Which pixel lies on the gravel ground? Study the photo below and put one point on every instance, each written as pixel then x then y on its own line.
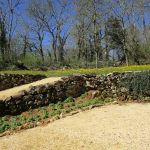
pixel 112 127
pixel 16 90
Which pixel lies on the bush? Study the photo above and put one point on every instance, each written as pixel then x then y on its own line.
pixel 68 110
pixel 83 95
pixel 137 83
pixel 59 105
pixel 23 119
pixel 30 119
pixel 69 99
pixel 36 117
pixel 58 112
pixel 52 106
pixel 52 113
pixel 4 127
pixel 15 124
pixel 45 114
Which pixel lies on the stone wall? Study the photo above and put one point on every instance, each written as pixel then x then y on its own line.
pixel 69 86
pixel 12 80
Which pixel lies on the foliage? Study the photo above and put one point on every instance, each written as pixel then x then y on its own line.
pixel 114 33
pixel 30 119
pixel 45 114
pixel 12 122
pixel 83 95
pixel 137 83
pixel 30 60
pixel 59 105
pixel 69 99
pixel 36 117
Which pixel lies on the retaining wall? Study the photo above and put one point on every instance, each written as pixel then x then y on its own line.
pixel 12 80
pixel 69 86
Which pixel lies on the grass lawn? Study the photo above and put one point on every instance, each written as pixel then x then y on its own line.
pixel 68 72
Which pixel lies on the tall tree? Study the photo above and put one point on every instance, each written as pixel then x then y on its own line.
pixel 3 40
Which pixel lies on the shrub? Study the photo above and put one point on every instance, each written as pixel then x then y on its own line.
pixel 23 119
pixel 70 104
pixel 58 112
pixel 108 100
pixel 4 127
pixel 15 124
pixel 68 110
pixel 1 121
pixel 45 114
pixel 36 117
pixel 83 95
pixel 69 99
pixel 4 118
pixel 137 83
pixel 52 106
pixel 52 113
pixel 59 105
pixel 79 106
pixel 30 119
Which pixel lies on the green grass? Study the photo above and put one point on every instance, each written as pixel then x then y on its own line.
pixel 69 72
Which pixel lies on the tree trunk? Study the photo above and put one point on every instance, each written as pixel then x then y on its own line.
pixel 96 60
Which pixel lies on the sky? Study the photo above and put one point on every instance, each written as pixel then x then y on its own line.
pixel 22 9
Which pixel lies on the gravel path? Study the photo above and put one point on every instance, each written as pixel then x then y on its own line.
pixel 112 127
pixel 16 90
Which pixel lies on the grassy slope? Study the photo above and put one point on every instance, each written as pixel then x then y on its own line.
pixel 67 72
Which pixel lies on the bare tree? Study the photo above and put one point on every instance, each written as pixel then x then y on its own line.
pixel 3 40
pixel 11 22
pixel 52 17
pixel 89 27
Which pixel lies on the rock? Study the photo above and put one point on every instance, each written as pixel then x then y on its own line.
pixel 114 102
pixel 74 86
pixel 93 94
pixel 38 123
pixel 39 103
pixel 124 90
pixel 74 112
pixel 12 80
pixel 18 102
pixel 89 85
pixel 114 91
pixel 91 107
pixel 147 99
pixel 61 115
pixel 23 92
pixel 30 102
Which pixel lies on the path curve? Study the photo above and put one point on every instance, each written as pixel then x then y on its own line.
pixel 16 90
pixel 113 127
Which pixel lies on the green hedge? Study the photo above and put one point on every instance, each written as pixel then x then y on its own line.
pixel 138 83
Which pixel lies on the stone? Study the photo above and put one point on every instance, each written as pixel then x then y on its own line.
pixel 114 102
pixel 12 80
pixel 8 98
pixel 114 91
pixel 74 86
pixel 124 90
pixel 147 99
pixel 93 94
pixel 30 102
pixel 18 101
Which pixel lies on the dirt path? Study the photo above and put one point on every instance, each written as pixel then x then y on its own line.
pixel 113 127
pixel 16 90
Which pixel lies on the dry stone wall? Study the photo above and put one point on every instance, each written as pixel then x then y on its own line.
pixel 12 80
pixel 69 86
